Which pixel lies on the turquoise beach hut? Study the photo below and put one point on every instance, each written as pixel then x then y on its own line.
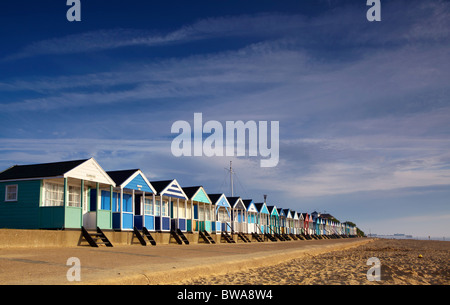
pixel 199 209
pixel 274 220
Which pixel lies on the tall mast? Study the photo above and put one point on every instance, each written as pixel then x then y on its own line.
pixel 231 179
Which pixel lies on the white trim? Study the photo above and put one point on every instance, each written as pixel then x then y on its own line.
pixel 252 208
pixel 242 203
pixel 31 179
pixel 163 193
pixel 134 176
pixel 226 199
pixel 97 167
pixel 69 184
pixel 204 191
pixel 6 193
pixel 289 215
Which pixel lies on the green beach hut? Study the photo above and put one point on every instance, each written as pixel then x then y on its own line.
pixel 54 196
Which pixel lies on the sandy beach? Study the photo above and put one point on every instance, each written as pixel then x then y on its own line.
pixel 400 265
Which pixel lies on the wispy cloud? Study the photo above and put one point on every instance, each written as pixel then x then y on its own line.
pixel 431 23
pixel 275 25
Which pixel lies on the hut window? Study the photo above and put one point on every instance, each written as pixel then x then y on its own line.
pixel 54 194
pixel 165 208
pixel 201 213
pixel 74 196
pixel 157 208
pixel 223 215
pixel 188 211
pixel 11 192
pixel 208 213
pixel 174 208
pixel 148 206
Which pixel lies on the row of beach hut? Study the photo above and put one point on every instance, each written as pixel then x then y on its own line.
pixel 80 194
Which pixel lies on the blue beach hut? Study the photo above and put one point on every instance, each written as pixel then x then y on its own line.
pixel 263 218
pixel 133 200
pixel 222 213
pixel 170 206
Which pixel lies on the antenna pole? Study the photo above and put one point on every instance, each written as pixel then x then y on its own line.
pixel 231 179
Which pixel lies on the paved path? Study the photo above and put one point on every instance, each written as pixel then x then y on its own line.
pixel 161 264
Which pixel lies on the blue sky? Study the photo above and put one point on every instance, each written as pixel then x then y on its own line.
pixel 363 107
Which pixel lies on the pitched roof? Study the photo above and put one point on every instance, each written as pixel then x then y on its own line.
pixel 247 202
pixel 160 185
pixel 233 199
pixel 42 170
pixel 120 176
pixel 214 197
pixel 272 208
pixel 190 190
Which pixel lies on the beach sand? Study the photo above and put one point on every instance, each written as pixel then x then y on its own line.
pixel 400 265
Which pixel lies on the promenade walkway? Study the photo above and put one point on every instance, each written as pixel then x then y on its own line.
pixel 161 264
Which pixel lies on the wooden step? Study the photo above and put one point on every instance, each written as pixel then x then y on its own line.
pixel 176 237
pixel 227 237
pixel 211 240
pixel 149 236
pixel 204 237
pixel 182 236
pixel 139 236
pixel 243 237
pixel 93 237
pixel 270 237
pixel 257 237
